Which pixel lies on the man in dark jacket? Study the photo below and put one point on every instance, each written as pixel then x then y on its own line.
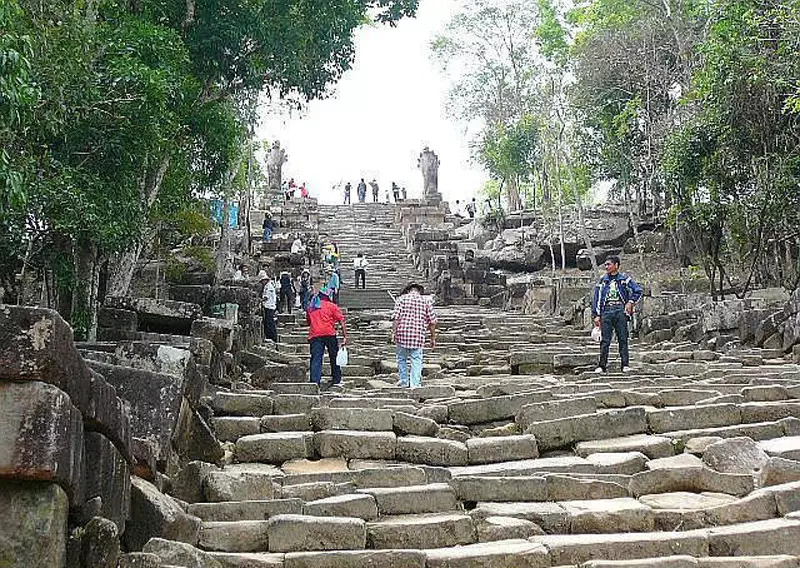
pixel 612 304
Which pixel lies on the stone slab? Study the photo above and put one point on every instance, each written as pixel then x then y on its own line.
pixel 41 436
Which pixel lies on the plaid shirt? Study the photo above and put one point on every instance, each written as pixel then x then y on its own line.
pixel 412 316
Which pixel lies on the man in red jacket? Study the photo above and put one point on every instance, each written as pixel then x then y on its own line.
pixel 322 316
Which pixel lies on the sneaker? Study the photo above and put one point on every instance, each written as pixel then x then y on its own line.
pixel 401 384
pixel 626 369
pixel 599 370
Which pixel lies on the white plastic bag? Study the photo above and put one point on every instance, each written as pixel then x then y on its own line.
pixel 597 335
pixel 341 357
pixel 297 302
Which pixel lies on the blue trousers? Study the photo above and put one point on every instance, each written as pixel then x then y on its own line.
pixel 414 356
pixel 614 319
pixel 318 347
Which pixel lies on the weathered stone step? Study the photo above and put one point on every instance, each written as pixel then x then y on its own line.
pixel 274 448
pixel 431 498
pixel 367 419
pixel 678 561
pixel 241 404
pixel 560 433
pixel 421 531
pixel 245 510
pixel 234 536
pixel 361 506
pixel 535 488
pixel 573 550
pixel 293 533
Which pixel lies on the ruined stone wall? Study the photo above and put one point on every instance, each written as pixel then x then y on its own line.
pixel 65 445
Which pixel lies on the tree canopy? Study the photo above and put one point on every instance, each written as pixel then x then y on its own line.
pixel 688 108
pixel 116 114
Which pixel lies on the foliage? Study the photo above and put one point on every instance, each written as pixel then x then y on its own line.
pixel 116 116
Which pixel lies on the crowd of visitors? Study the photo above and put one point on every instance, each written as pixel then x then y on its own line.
pixel 398 193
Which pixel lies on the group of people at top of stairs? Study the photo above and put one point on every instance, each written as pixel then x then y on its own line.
pixel 290 188
pixel 398 193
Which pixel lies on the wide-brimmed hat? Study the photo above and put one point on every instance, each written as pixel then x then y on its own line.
pixel 414 285
pixel 262 275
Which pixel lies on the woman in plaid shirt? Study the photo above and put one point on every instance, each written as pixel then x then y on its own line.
pixel 413 319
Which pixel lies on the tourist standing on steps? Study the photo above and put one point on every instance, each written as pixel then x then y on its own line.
pixel 472 208
pixel 347 189
pixel 297 246
pixel 287 293
pixel 269 302
pixel 413 318
pixel 404 192
pixel 268 225
pixel 362 191
pixel 395 192
pixel 322 316
pixel 360 268
pixel 305 288
pixel 334 285
pixel 612 304
pixel 375 190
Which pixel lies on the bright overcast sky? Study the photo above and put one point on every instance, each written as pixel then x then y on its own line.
pixel 384 111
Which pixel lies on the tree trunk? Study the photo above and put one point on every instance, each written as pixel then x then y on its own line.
pixel 84 294
pixel 514 201
pixel 224 242
pixel 122 266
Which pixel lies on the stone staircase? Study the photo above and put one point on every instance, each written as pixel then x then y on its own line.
pixel 512 453
pixel 368 228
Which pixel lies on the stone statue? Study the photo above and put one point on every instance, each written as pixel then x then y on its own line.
pixel 276 157
pixel 428 162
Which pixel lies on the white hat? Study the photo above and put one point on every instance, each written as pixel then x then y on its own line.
pixel 262 275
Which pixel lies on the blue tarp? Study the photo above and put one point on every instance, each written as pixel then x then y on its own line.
pixel 233 212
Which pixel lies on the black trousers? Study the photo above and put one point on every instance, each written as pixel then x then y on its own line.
pixel 361 275
pixel 614 320
pixel 287 295
pixel 270 329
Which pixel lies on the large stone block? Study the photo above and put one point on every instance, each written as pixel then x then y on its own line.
pixel 355 444
pixel 421 531
pixel 689 417
pixel 155 401
pixel 432 451
pixel 155 515
pixel 193 438
pixel 241 482
pixel 503 554
pixel 107 475
pixel 274 448
pixel 490 409
pixel 218 331
pixel 159 316
pixel 100 544
pixel 500 449
pixel 555 409
pixel 356 559
pixel 41 436
pixel 494 489
pixel 296 533
pixel 37 345
pixel 33 526
pixel 174 553
pixel 373 420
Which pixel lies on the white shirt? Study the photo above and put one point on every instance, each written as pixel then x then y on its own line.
pixel 360 263
pixel 297 246
pixel 269 296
